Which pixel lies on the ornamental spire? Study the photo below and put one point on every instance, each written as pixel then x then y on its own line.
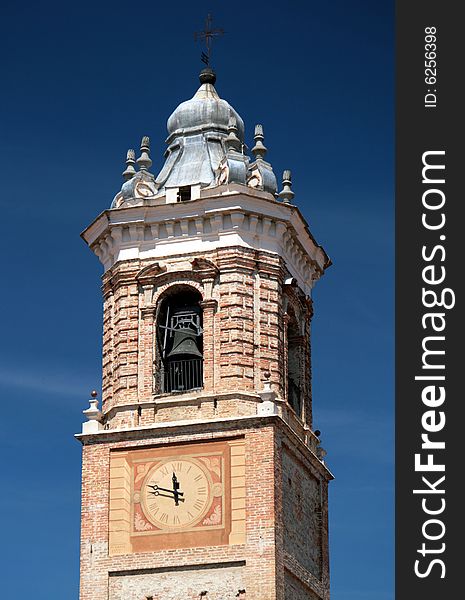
pixel 144 161
pixel 130 171
pixel 259 150
pixel 286 193
pixel 232 141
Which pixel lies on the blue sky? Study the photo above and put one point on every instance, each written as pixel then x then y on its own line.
pixel 83 82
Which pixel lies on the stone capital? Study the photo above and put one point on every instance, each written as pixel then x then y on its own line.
pixel 209 304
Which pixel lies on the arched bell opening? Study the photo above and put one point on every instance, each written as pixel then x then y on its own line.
pixel 294 364
pixel 180 341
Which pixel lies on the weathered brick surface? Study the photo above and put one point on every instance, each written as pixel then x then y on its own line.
pixel 296 590
pixel 258 554
pixel 221 582
pixel 247 308
pixel 244 324
pixel 301 504
pixel 270 533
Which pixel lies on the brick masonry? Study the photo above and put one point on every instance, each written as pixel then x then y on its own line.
pixel 220 581
pixel 273 544
pixel 244 324
pixel 282 553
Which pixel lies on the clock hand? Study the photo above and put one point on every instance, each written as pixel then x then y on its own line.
pixel 157 493
pixel 157 487
pixel 176 495
pixel 175 482
pixel 176 491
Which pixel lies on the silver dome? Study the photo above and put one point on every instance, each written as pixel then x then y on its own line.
pixel 205 111
pixel 197 131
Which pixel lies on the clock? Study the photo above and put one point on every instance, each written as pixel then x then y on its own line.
pixel 177 496
pixel 177 493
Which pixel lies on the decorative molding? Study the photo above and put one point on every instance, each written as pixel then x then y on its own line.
pixel 209 304
pixel 226 216
pixel 149 273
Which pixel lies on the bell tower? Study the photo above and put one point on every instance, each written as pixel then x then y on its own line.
pixel 202 475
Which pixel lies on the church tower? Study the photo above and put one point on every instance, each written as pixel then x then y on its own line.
pixel 202 475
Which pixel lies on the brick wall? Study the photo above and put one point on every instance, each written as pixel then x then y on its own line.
pixel 275 536
pixel 296 590
pixel 301 506
pixel 282 552
pixel 244 331
pixel 220 581
pixel 257 554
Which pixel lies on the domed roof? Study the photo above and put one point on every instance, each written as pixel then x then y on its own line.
pixel 205 147
pixel 197 133
pixel 205 111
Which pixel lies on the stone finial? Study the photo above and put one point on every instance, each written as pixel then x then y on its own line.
pixel 130 162
pixel 286 193
pixel 321 453
pixel 207 75
pixel 144 160
pixel 232 141
pixel 268 397
pixel 259 150
pixel 267 382
pixel 93 414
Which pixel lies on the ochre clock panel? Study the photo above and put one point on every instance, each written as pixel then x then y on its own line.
pixel 177 497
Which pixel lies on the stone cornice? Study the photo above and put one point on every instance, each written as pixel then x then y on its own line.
pixel 253 220
pixel 181 398
pixel 161 430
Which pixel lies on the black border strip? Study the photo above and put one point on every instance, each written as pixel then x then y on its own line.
pixel 422 127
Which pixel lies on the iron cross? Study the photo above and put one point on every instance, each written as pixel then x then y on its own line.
pixel 208 34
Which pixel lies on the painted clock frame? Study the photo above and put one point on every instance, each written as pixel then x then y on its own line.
pixel 131 529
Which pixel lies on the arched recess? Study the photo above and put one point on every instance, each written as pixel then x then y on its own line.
pixel 295 362
pixel 179 340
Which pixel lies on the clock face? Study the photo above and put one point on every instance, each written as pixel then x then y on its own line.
pixel 177 493
pixel 180 496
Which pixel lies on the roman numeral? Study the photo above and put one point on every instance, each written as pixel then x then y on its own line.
pixel 190 515
pixel 202 491
pixel 164 471
pixel 198 478
pixel 177 467
pixel 164 518
pixel 198 504
pixel 176 520
pixel 154 508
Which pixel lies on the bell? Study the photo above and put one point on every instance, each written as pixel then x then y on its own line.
pixel 184 343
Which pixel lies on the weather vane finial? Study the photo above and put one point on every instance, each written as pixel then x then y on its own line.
pixel 208 34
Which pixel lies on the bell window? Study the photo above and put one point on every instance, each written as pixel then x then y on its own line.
pixel 294 365
pixel 180 342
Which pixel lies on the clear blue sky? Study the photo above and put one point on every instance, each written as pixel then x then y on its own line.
pixel 81 83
